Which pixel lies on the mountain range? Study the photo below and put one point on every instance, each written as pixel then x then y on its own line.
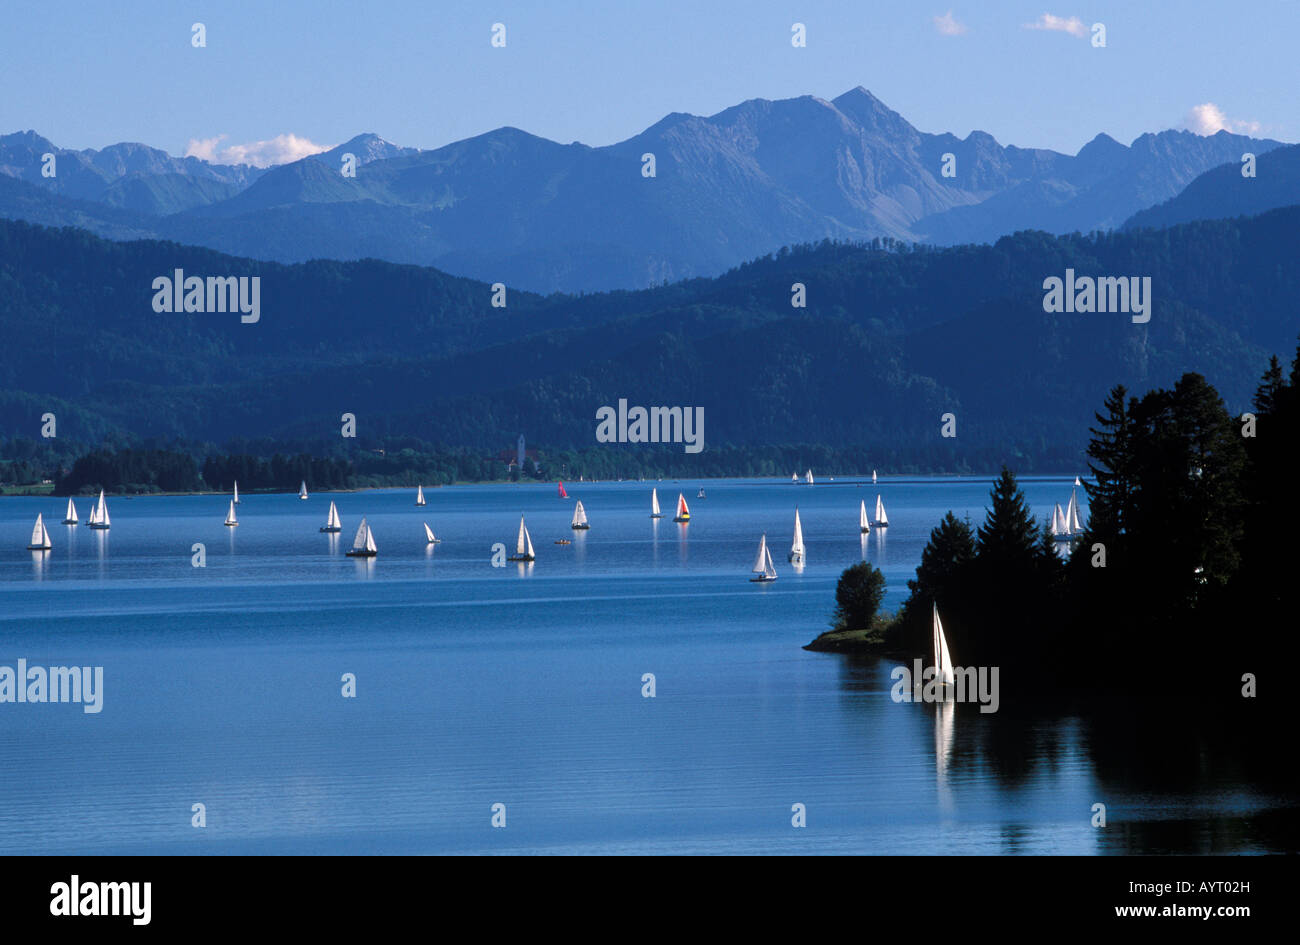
pixel 892 338
pixel 511 207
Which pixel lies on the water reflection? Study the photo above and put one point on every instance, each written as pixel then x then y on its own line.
pixel 944 715
pixel 524 568
pixel 40 564
pixel 365 567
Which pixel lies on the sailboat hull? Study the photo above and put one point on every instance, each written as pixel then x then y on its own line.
pixel 98 525
pixel 522 558
pixel 795 558
pixel 762 579
pixel 579 528
pixel 231 524
pixel 331 528
pixel 362 553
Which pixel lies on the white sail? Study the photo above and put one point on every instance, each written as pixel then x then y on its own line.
pixel 769 571
pixel 364 542
pixel 760 562
pixel 579 515
pixel 873 476
pixel 881 517
pixel 70 517
pixel 40 537
pixel 942 658
pixel 302 490
pixel 524 543
pixel 654 504
pixel 808 477
pixel 1077 483
pixel 1058 522
pixel 90 519
pixel 1072 523
pixel 99 517
pixel 236 499
pixel 332 520
pixel 419 495
pixel 796 547
pixel 428 533
pixel 794 477
pixel 230 516
pixel 863 524
pixel 683 510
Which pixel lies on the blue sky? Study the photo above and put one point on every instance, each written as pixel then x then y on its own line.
pixel 424 73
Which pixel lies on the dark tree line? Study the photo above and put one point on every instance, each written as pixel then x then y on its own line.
pixel 131 470
pixel 279 473
pixel 1181 581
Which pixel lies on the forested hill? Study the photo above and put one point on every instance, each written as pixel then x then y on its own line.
pixel 892 337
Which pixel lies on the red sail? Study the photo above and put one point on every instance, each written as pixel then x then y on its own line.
pixel 563 494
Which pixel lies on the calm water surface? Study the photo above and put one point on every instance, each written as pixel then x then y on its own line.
pixel 522 686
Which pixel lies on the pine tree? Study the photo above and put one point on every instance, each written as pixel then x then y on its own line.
pixel 1008 539
pixel 1271 384
pixel 1110 499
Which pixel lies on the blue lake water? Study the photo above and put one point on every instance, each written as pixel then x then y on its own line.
pixel 522 685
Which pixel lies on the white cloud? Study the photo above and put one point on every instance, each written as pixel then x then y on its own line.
pixel 948 25
pixel 282 149
pixel 1208 118
pixel 1059 24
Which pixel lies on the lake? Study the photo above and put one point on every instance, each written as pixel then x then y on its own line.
pixel 522 685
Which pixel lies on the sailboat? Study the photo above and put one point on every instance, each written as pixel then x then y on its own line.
pixel 1060 530
pixel 563 494
pixel 70 516
pixel 796 546
pixel 807 477
pixel 99 514
pixel 523 545
pixel 1072 523
pixel 683 512
pixel 942 658
pixel 864 526
pixel 654 504
pixel 763 564
pixel 332 523
pixel 419 495
pixel 428 533
pixel 794 477
pixel 700 494
pixel 40 537
pixel 579 517
pixel 302 490
pixel 363 546
pixel 236 499
pixel 873 477
pixel 231 521
pixel 882 520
